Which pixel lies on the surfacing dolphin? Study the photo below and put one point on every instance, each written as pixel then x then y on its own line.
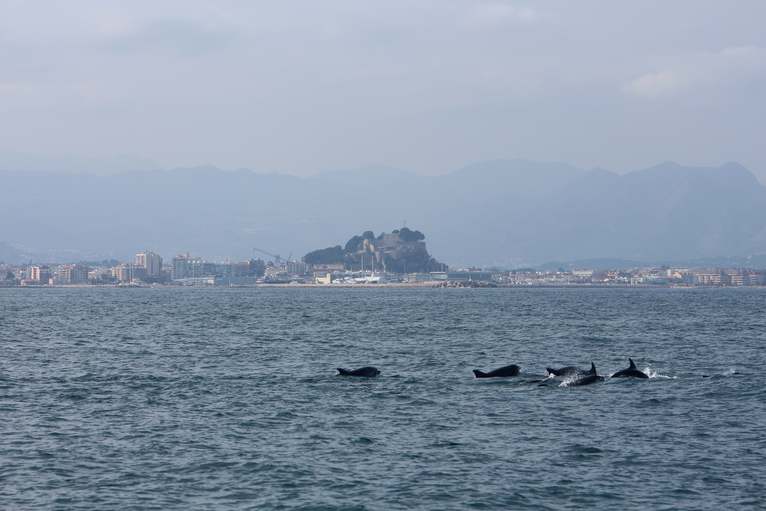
pixel 500 372
pixel 565 372
pixel 630 372
pixel 367 372
pixel 589 377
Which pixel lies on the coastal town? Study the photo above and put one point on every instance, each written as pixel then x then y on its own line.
pixel 396 258
pixel 150 269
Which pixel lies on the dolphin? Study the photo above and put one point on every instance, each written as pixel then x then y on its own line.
pixel 589 377
pixel 565 372
pixel 367 371
pixel 630 372
pixel 500 372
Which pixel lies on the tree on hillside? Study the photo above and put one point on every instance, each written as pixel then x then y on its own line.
pixel 327 255
pixel 408 235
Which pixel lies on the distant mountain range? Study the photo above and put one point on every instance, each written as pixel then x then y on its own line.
pixel 506 213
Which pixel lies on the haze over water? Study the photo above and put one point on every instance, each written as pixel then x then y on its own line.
pixel 227 398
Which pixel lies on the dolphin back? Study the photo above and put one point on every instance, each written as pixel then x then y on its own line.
pixel 630 372
pixel 500 372
pixel 564 371
pixel 367 371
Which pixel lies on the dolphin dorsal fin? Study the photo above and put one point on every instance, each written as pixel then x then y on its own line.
pixel 593 368
pixel 632 364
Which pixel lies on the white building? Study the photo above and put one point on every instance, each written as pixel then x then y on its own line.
pixel 150 262
pixel 72 274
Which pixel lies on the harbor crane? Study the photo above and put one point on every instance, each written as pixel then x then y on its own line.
pixel 277 258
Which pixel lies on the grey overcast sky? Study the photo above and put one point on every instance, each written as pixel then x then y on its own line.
pixel 303 86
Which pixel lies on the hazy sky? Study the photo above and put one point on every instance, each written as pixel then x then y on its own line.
pixel 422 85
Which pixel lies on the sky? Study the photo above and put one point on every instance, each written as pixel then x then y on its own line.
pixel 423 85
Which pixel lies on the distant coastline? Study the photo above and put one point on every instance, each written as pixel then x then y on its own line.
pixel 388 285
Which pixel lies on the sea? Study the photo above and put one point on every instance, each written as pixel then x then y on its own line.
pixel 229 398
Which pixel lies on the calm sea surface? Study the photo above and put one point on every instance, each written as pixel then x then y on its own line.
pixel 228 399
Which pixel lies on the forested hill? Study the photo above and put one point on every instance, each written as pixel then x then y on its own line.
pixel 400 251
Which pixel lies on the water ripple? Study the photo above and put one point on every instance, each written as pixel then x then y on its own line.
pixel 228 398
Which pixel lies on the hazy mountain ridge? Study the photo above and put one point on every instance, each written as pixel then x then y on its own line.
pixel 503 212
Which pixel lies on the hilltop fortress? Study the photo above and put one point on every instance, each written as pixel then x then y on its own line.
pixel 400 251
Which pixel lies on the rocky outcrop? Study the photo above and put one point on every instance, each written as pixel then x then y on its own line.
pixel 400 251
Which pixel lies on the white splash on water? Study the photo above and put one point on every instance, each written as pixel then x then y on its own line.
pixel 567 381
pixel 651 373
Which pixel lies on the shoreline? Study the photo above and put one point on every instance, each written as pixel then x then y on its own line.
pixel 393 285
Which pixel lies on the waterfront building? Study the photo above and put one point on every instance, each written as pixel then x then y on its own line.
pixel 464 276
pixel 239 274
pixel 180 268
pixel 150 262
pixel 39 274
pixel 185 266
pixel 124 272
pixel 707 278
pixel 734 278
pixel 101 276
pixel 296 267
pixel 72 274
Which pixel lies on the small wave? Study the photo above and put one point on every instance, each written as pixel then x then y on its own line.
pixel 83 377
pixel 445 443
pixel 584 449
pixel 651 373
pixel 656 401
pixel 725 374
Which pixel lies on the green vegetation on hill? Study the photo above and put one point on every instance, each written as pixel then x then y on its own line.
pixel 408 235
pixel 329 255
pixel 401 251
